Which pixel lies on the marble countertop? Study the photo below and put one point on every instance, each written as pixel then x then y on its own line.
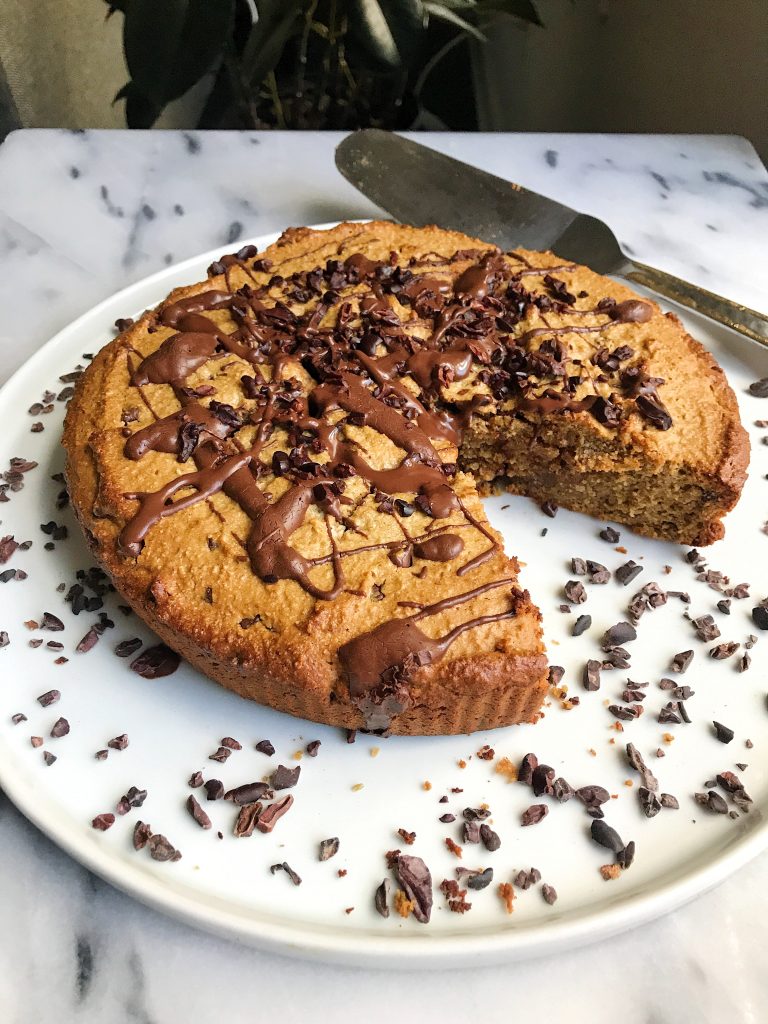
pixel 82 214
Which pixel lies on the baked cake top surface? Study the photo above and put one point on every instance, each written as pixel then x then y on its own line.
pixel 273 451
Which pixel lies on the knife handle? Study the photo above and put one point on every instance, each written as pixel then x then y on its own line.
pixel 739 318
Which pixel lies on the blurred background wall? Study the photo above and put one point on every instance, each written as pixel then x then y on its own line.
pixel 598 65
pixel 630 65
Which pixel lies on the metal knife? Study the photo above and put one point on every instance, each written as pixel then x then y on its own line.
pixel 418 185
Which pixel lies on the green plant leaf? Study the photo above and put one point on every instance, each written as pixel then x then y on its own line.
pixel 442 13
pixel 525 10
pixel 276 21
pixel 139 111
pixel 391 31
pixel 170 44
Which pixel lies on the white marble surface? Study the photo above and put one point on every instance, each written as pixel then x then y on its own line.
pixel 83 214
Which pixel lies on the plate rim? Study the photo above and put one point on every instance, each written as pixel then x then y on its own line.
pixel 425 949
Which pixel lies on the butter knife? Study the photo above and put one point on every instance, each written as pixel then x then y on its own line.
pixel 418 185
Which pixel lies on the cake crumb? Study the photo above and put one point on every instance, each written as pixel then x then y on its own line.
pixel 610 871
pixel 506 895
pixel 506 768
pixel 374 751
pixel 426 786
pixel 357 787
pixel 403 905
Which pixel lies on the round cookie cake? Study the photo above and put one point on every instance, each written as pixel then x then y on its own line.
pixel 280 467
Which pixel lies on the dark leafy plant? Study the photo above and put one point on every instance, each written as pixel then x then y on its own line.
pixel 299 63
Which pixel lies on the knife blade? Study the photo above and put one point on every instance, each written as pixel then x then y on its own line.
pixel 418 185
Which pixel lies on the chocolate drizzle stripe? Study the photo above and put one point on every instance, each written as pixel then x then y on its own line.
pixel 399 643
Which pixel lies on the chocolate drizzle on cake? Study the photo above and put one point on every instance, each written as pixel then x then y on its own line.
pixel 368 368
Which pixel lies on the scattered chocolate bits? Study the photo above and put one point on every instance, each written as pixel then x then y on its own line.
pixel 489 838
pixel 7 547
pixel 591 676
pixel 248 793
pixel 723 651
pixel 51 622
pixel 142 833
pixel 527 767
pixel 161 849
pixel 135 797
pixel 525 880
pixel 197 812
pixel 381 898
pixel 60 728
pixel 328 848
pixel 119 742
pixel 635 758
pixel 542 779
pixel 214 789
pixel 549 508
pixel 265 747
pixel 760 616
pixel 103 821
pixel 50 697
pixel 712 801
pixel 650 802
pixel 155 662
pixel 312 748
pixel 621 633
pixel 475 880
pixel 88 642
pixel 271 814
pixel 562 791
pixel 575 592
pixel 604 835
pixel 581 625
pixel 549 893
pixel 285 778
pixel 610 535
pixel 415 878
pixel 127 647
pixel 681 661
pixel 759 388
pixel 597 573
pixel 723 733
pixel 295 878
pixel 706 628
pixel 628 572
pixel 534 814
pixel 246 820
pixel 49 758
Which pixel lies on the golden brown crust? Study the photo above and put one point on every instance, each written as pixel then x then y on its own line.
pixel 273 642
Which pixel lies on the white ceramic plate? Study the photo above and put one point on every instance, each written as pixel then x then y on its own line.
pixel 175 723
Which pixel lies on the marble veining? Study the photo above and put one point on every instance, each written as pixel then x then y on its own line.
pixel 84 213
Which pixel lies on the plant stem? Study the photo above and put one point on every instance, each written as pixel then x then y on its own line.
pixel 275 94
